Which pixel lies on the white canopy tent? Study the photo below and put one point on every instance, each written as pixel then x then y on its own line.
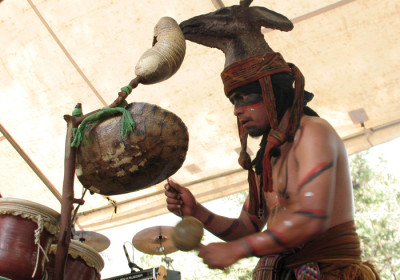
pixel 55 54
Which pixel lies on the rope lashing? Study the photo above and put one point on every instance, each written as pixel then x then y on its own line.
pixel 38 232
pixel 123 104
pixel 127 89
pixel 128 124
pixel 77 112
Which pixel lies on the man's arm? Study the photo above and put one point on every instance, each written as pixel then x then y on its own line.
pixel 181 201
pixel 309 211
pixel 228 228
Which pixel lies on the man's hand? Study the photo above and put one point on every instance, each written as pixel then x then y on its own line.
pixel 180 200
pixel 221 255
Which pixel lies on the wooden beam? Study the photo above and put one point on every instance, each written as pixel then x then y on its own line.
pixel 218 4
pixel 31 164
pixel 315 13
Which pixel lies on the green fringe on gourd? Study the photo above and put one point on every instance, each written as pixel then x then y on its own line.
pixel 128 124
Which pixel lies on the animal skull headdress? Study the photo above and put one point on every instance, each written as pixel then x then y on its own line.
pixel 236 30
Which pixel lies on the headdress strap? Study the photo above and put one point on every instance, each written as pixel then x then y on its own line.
pixel 298 103
pixel 245 163
pixel 260 68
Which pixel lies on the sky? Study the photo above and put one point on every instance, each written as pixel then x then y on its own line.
pixel 115 259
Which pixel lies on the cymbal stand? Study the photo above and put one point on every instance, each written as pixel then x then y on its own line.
pixel 131 264
pixel 166 259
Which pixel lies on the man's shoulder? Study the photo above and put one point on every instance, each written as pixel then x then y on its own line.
pixel 315 135
pixel 310 120
pixel 316 125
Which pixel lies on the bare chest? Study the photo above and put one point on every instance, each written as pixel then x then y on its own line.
pixel 284 177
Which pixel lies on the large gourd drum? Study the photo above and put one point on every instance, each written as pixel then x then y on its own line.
pixel 83 262
pixel 112 164
pixel 27 231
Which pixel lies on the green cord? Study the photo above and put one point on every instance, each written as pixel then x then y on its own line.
pixel 123 104
pixel 128 124
pixel 77 112
pixel 128 89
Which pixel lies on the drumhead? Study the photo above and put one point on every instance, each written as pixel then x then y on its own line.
pixel 88 254
pixel 32 211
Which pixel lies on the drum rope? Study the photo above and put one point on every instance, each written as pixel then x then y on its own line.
pixel 38 232
pixel 128 124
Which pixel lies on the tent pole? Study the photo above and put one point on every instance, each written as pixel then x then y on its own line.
pixel 31 164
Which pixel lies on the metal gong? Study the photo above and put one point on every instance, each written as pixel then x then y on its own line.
pixel 112 164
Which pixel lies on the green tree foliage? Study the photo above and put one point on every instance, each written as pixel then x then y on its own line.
pixel 377 196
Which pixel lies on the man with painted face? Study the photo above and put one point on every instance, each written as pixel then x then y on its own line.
pixel 299 214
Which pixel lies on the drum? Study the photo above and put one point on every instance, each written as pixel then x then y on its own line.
pixel 83 262
pixel 111 164
pixel 27 231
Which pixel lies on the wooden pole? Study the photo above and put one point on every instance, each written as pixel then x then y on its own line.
pixel 64 237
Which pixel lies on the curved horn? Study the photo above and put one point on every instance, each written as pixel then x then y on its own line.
pixel 165 57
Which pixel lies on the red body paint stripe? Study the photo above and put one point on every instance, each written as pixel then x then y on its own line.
pixel 231 229
pixel 279 235
pixel 313 211
pixel 253 218
pixel 314 173
pixel 210 218
pixel 249 240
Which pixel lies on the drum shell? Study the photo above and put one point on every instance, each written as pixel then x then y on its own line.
pixel 18 251
pixel 112 164
pixel 83 263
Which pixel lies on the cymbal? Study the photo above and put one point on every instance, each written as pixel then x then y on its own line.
pixel 152 240
pixel 95 240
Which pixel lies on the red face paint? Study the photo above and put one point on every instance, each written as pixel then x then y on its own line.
pixel 248 107
pixel 252 106
pixel 244 100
